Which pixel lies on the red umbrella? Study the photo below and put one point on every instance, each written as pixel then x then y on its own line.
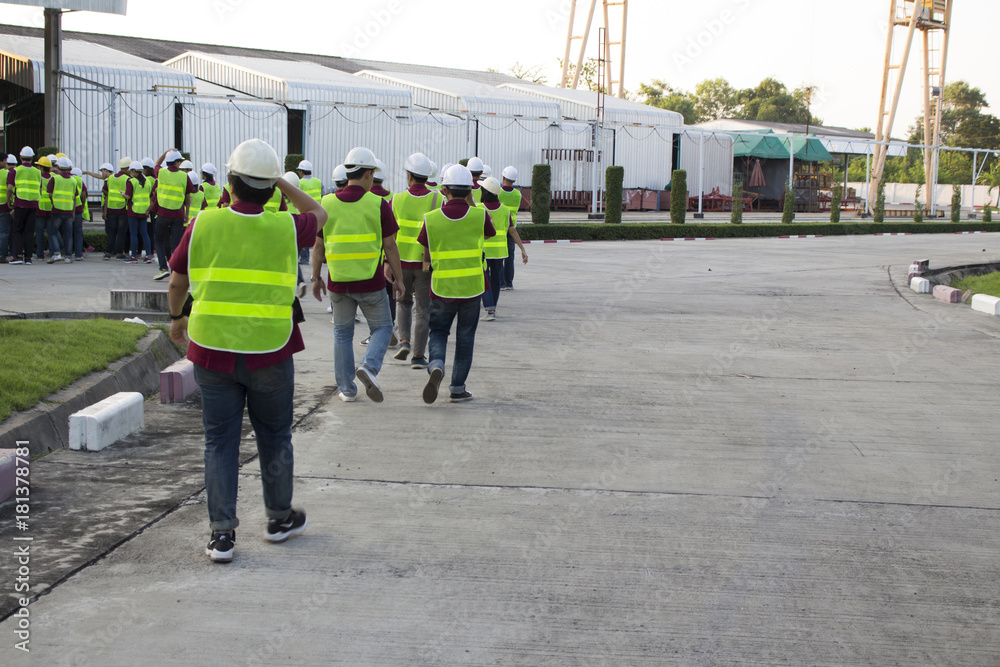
pixel 757 177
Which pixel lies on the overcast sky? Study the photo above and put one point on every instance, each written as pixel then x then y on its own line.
pixel 837 46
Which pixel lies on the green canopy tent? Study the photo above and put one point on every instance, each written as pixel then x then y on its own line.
pixel 772 152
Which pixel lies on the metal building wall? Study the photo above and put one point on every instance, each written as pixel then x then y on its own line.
pixel 438 136
pixel 228 75
pixel 212 129
pixel 718 162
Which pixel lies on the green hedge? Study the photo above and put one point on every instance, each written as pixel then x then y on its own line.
pixel 678 196
pixel 292 161
pixel 646 231
pixel 541 193
pixel 98 240
pixel 613 178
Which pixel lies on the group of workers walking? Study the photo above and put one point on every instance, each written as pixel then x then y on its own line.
pixel 426 257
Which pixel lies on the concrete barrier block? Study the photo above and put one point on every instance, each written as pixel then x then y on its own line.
pixel 8 481
pixel 914 268
pixel 139 299
pixel 106 422
pixel 922 264
pixel 911 275
pixel 920 285
pixel 985 303
pixel 947 294
pixel 177 382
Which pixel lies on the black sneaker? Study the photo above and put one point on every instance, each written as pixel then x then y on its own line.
pixel 461 398
pixel 220 549
pixel 279 531
pixel 431 388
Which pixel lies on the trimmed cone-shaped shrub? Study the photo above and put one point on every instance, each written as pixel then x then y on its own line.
pixel 878 213
pixel 737 216
pixel 987 213
pixel 613 179
pixel 541 193
pixel 46 150
pixel 836 195
pixel 956 203
pixel 292 161
pixel 788 212
pixel 678 196
pixel 918 207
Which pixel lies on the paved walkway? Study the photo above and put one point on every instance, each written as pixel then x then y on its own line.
pixel 747 451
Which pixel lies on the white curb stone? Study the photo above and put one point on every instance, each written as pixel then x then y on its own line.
pixel 106 422
pixel 177 382
pixel 985 303
pixel 920 285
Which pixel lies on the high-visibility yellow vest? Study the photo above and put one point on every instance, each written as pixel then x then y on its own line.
pixel 63 194
pixel 195 205
pixel 409 211
pixel 511 200
pixel 456 248
pixel 477 195
pixel 116 188
pixel 274 203
pixel 141 195
pixel 3 187
pixel 171 188
pixel 45 203
pixel 352 237
pixel 225 188
pixel 495 247
pixel 242 270
pixel 27 183
pixel 212 194
pixel 79 189
pixel 312 187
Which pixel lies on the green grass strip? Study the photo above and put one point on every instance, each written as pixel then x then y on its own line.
pixel 41 357
pixel 988 284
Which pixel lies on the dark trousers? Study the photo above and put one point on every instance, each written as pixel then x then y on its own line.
pixel 443 314
pixel 168 235
pixel 508 264
pixel 116 229
pixel 24 232
pixel 41 227
pixel 494 275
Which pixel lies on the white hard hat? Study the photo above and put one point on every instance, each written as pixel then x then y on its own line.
pixel 135 166
pixel 447 166
pixel 186 164
pixel 208 168
pixel 292 177
pixel 147 162
pixel 256 163
pixel 457 175
pixel 379 170
pixel 64 163
pixel 52 157
pixel 360 158
pixel 418 165
pixel 510 173
pixel 487 171
pixel 124 163
pixel 474 164
pixel 339 173
pixel 27 152
pixel 305 165
pixel 492 185
pixel 434 169
pixel 76 171
pixel 194 177
pixel 11 159
pixel 173 156
pixel 106 167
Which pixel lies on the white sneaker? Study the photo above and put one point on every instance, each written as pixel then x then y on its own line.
pixel 367 378
pixel 488 317
pixel 329 308
pixel 53 258
pixel 345 398
pixel 67 260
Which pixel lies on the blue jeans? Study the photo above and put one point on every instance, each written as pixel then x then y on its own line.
pixel 138 224
pixel 60 232
pixel 41 228
pixel 267 394
pixel 78 234
pixel 6 222
pixel 443 313
pixel 375 306
pixel 494 274
pixel 508 264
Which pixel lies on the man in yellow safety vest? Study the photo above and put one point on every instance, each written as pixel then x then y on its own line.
pixel 172 192
pixel 453 236
pixel 5 208
pixel 62 192
pixel 24 190
pixel 240 264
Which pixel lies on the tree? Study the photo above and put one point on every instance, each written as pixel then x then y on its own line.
pixel 715 98
pixel 963 123
pixel 660 94
pixel 991 178
pixel 588 74
pixel 532 74
pixel 770 101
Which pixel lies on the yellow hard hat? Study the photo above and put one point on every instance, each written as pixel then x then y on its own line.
pixel 44 162
pixel 61 155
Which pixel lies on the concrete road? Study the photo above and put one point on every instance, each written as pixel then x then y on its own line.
pixel 740 451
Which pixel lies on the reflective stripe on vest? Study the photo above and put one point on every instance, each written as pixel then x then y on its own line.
pixel 3 188
pixel 116 188
pixel 456 248
pixel 352 237
pixel 495 247
pixel 63 193
pixel 274 203
pixel 197 200
pixel 171 187
pixel 312 187
pixel 212 194
pixel 141 195
pixel 45 202
pixel 237 309
pixel 511 200
pixel 409 211
pixel 27 183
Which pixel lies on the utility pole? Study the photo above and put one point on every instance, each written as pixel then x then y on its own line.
pixel 53 65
